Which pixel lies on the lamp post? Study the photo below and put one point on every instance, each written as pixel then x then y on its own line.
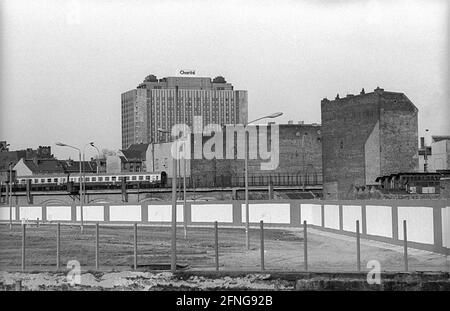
pixel 10 195
pixel 247 213
pixel 80 180
pixel 98 152
pixel 425 157
pixel 173 256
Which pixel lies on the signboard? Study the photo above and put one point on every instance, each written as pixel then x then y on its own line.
pixel 186 73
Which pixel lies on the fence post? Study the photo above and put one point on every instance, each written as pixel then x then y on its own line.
pixel 135 246
pixel 96 246
pixel 216 243
pixel 58 245
pixel 305 246
pixel 23 245
pixel 405 245
pixel 358 247
pixel 262 244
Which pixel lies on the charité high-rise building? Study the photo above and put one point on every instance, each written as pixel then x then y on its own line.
pixel 162 103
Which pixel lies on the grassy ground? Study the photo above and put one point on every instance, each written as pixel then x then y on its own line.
pixel 283 249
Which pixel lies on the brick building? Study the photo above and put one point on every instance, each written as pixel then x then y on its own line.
pixel 299 159
pixel 366 136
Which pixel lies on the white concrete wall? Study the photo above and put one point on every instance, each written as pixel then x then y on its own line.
pixel 278 213
pixel 379 220
pixel 30 212
pixel 4 213
pixel 446 227
pixel 55 213
pixel 91 213
pixel 331 214
pixel 212 212
pixel 350 214
pixel 312 213
pixel 125 213
pixel 160 213
pixel 419 223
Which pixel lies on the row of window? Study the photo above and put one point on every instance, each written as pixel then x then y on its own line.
pixel 151 178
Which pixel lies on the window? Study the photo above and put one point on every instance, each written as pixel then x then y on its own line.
pixel 113 178
pixel 49 180
pixel 36 181
pixel 55 179
pixel 147 177
pixel 94 178
pixel 107 178
pixel 133 177
pixel 100 179
pixel 141 177
pixel 88 179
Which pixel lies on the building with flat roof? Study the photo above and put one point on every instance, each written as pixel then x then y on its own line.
pixel 162 103
pixel 366 136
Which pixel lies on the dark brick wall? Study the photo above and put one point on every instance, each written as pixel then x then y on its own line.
pixel 347 124
pixel 293 159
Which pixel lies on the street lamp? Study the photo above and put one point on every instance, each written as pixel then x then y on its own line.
pixel 10 194
pixel 247 213
pixel 173 256
pixel 425 157
pixel 81 184
pixel 98 152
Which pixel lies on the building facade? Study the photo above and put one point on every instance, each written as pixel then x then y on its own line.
pixel 162 103
pixel 364 137
pixel 299 154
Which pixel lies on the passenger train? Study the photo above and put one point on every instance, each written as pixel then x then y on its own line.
pixel 155 179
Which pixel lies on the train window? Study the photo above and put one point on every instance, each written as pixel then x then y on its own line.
pixel 42 180
pixel 113 178
pixel 106 178
pixel 55 179
pixel 147 177
pixel 88 179
pixel 49 180
pixel 36 181
pixel 133 177
pixel 141 177
pixel 94 178
pixel 100 179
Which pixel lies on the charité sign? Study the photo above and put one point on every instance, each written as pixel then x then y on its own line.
pixel 186 72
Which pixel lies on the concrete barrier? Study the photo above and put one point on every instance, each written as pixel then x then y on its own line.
pixel 163 213
pixel 350 214
pixel 59 213
pixel 379 220
pixel 428 220
pixel 4 213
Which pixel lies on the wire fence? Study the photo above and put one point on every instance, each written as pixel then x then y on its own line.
pixel 51 246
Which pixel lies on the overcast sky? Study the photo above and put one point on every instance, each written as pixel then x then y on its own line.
pixel 64 64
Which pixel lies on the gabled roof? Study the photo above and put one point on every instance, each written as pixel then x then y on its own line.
pixel 44 166
pixel 71 166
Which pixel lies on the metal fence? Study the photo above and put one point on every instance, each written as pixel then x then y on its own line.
pixel 53 246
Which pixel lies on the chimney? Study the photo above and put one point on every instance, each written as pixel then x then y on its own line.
pixel 362 92
pixel 378 90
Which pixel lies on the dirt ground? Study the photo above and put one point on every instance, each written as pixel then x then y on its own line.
pixel 283 250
